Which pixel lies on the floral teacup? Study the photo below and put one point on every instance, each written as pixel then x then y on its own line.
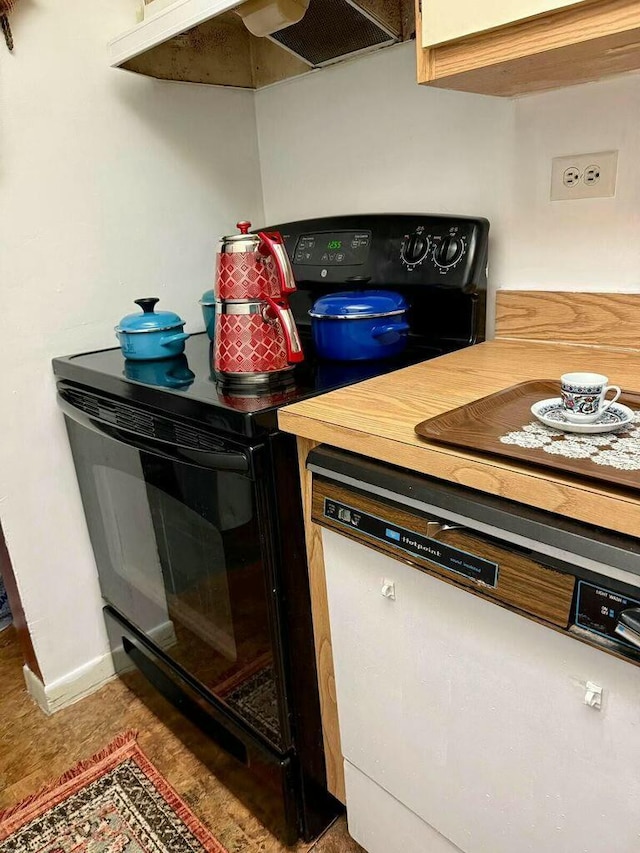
pixel 583 396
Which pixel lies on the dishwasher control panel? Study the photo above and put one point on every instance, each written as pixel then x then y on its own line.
pixel 447 549
pixel 415 544
pixel 608 613
pixel 581 580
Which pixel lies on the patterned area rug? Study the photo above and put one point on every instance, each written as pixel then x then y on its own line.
pixel 116 802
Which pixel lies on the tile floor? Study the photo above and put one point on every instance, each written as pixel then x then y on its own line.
pixel 36 749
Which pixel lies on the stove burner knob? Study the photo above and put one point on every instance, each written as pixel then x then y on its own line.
pixel 448 252
pixel 415 248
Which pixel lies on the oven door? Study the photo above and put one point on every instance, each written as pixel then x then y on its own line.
pixel 183 542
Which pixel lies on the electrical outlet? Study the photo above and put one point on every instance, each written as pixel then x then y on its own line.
pixel 571 176
pixel 584 176
pixel 591 175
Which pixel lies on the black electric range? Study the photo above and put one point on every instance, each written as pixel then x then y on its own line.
pixel 201 399
pixel 193 507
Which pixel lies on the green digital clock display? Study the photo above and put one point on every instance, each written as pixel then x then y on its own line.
pixel 331 248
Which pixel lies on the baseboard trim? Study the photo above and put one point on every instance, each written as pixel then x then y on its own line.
pixel 71 687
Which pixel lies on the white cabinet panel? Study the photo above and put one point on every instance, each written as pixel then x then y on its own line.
pixel 380 824
pixel 169 21
pixel 474 718
pixel 445 20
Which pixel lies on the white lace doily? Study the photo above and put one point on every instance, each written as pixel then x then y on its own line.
pixel 618 449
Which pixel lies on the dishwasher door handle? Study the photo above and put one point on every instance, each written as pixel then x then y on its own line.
pixel 435 528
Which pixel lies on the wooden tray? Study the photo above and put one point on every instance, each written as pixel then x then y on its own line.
pixel 478 426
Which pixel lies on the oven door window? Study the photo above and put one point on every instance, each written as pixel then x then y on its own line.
pixel 183 553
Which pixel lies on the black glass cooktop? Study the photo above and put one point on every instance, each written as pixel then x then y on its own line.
pixel 186 385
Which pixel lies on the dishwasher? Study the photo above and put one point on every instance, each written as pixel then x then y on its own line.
pixel 486 662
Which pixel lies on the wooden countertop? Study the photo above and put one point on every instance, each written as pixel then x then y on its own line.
pixel 377 417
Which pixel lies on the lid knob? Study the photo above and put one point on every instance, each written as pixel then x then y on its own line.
pixel 244 226
pixel 147 304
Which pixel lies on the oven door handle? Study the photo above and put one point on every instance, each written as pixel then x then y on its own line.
pixel 222 460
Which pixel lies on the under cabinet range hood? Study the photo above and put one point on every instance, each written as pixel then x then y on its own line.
pixel 258 42
pixel 320 32
pixel 331 30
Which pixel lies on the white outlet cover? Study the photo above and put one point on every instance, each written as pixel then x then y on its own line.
pixel 606 163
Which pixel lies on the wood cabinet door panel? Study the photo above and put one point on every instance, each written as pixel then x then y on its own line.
pixel 447 20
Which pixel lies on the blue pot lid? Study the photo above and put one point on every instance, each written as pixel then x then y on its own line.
pixel 149 320
pixel 208 298
pixel 359 304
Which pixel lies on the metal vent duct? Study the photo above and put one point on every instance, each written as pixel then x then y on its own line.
pixel 331 30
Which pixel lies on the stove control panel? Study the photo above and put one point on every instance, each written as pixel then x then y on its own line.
pixel 389 250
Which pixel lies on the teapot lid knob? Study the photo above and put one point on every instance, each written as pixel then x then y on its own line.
pixel 243 226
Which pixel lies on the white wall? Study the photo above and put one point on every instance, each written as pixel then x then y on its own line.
pixel 364 137
pixel 112 187
pixel 590 244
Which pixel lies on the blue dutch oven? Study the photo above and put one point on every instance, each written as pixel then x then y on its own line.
pixel 208 304
pixel 355 325
pixel 152 335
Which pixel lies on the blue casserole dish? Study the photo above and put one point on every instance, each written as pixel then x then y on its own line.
pixel 152 335
pixel 358 325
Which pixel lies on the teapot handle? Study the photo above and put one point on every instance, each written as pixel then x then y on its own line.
pixel 291 336
pixel 272 244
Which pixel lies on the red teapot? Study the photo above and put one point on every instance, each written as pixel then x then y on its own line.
pixel 252 266
pixel 256 339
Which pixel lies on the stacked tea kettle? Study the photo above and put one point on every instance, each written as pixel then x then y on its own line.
pixel 256 340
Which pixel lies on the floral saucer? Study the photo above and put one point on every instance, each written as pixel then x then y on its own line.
pixel 551 413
